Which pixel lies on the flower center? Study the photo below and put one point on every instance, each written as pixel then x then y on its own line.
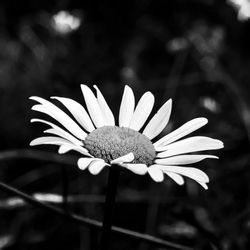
pixel 111 142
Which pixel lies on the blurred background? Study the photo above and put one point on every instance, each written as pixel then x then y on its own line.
pixel 194 51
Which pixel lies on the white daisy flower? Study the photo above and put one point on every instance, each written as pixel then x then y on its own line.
pixel 93 134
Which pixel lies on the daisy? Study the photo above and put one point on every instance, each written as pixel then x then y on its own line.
pixel 131 144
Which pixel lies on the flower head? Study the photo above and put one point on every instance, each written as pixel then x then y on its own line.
pixel 93 134
pixel 243 7
pixel 65 22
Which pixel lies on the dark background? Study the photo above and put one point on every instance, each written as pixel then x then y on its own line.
pixel 195 51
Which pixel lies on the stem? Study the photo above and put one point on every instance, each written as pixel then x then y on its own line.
pixel 109 207
pixel 90 223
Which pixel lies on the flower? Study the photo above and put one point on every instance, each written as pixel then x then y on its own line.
pixel 93 134
pixel 243 7
pixel 65 22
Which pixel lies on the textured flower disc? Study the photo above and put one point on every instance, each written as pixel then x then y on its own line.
pixel 111 142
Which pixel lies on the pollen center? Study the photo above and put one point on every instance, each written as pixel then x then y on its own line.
pixel 111 142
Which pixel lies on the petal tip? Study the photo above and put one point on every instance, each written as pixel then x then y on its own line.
pixel 220 143
pixel 84 87
pixel 202 120
pixel 32 97
pixel 32 143
pixel 205 119
pixel 156 174
pixel 84 163
pixel 204 186
pixel 124 159
pixel 214 157
pixel 140 169
pixel 54 97
pixel 127 88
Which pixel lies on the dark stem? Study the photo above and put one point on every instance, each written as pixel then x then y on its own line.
pixel 90 223
pixel 109 207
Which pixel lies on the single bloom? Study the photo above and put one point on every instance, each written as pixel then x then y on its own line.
pixel 92 132
pixel 243 8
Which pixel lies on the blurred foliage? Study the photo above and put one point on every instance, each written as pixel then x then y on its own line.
pixel 195 51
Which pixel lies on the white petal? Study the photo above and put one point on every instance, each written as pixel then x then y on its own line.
pixel 156 173
pixel 41 108
pixel 159 121
pixel 81 150
pixel 193 173
pixel 66 148
pixel 125 158
pixel 106 111
pixel 96 166
pixel 127 107
pixel 65 145
pixel 182 131
pixel 176 177
pixel 49 140
pixel 63 133
pixel 93 106
pixel 142 111
pixel 83 163
pixel 189 145
pixel 140 169
pixel 56 113
pixel 204 185
pixel 183 159
pixel 78 111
